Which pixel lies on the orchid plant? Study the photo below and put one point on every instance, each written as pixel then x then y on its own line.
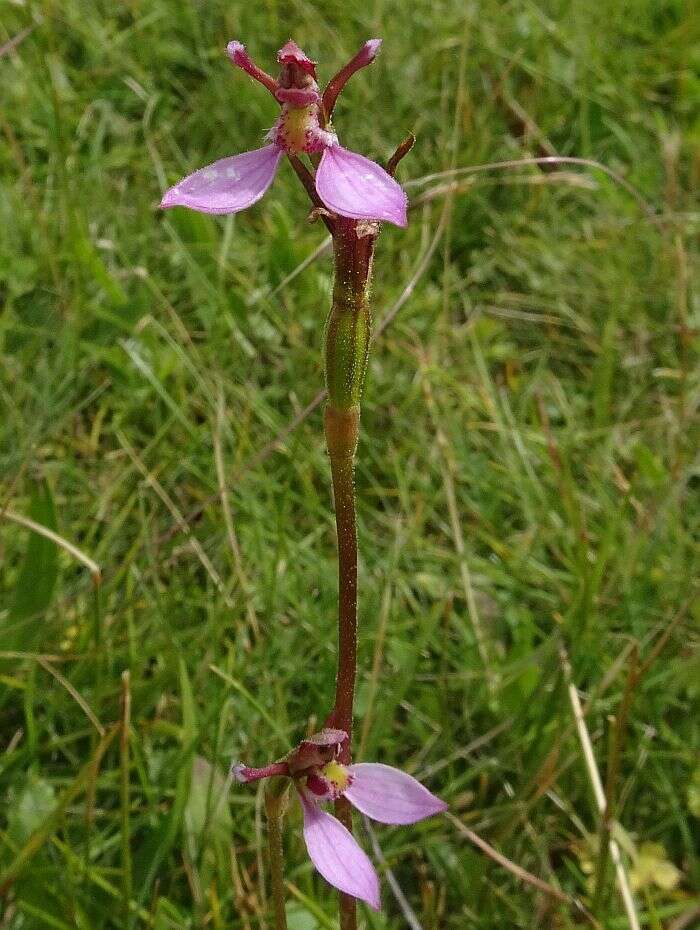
pixel 352 195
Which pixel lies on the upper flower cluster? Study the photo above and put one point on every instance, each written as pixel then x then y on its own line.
pixel 346 184
pixel 382 792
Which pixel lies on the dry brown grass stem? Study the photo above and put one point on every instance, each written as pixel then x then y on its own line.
pixel 181 523
pixel 599 794
pixel 60 541
pixel 518 871
pixel 228 517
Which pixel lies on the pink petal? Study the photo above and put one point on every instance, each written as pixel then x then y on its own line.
pixel 291 53
pixel 228 185
pixel 389 795
pixel 354 186
pixel 337 855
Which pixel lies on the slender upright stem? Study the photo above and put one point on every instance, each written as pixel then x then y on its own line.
pixel 125 801
pixel 342 472
pixel 346 348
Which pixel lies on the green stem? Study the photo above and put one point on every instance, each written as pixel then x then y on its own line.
pixel 125 799
pixel 275 805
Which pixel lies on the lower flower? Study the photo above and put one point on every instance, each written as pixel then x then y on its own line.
pixel 383 793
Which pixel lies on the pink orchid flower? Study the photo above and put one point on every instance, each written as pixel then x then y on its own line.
pixel 382 792
pixel 346 183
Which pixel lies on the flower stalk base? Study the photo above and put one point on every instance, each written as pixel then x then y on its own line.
pixel 276 798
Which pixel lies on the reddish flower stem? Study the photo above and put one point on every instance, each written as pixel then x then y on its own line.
pixel 341 435
pixel 346 350
pixel 342 429
pixel 307 179
pixel 347 339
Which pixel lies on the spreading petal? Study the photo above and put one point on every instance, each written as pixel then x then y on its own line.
pixel 389 795
pixel 364 57
pixel 239 56
pixel 228 185
pixel 354 186
pixel 337 856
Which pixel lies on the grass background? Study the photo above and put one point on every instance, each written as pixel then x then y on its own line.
pixel 527 466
